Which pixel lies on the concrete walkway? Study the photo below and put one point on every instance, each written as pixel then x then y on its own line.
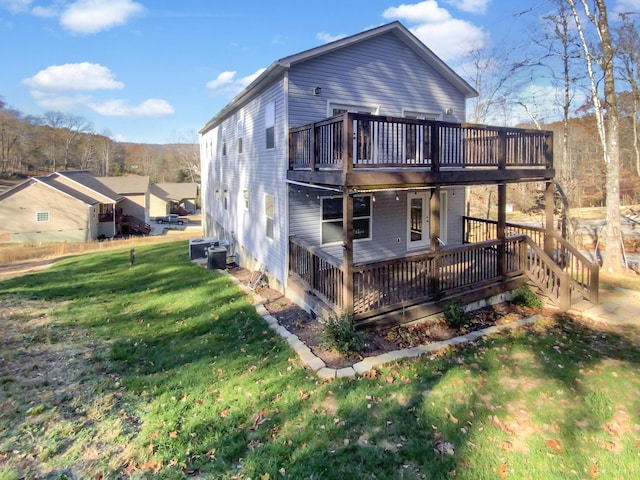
pixel 616 307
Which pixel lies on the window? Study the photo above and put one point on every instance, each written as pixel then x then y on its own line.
pixel 94 212
pixel 224 141
pixel 240 133
pixel 332 215
pixel 42 216
pixel 217 188
pixel 245 195
pixel 270 124
pixel 269 213
pixel 226 196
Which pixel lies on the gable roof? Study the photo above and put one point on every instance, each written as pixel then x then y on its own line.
pixel 132 184
pixel 175 191
pixel 278 68
pixel 88 180
pixel 67 190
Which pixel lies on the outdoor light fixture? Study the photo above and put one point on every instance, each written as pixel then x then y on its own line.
pixel 317 90
pixel 448 111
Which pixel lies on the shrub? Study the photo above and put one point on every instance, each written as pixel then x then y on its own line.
pixel 525 297
pixel 455 315
pixel 340 333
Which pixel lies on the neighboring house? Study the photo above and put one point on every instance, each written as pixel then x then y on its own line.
pixel 341 171
pixel 136 192
pixel 62 206
pixel 173 198
pixel 66 206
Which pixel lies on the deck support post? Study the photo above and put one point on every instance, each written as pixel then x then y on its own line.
pixel 347 253
pixel 434 234
pixel 549 204
pixel 502 226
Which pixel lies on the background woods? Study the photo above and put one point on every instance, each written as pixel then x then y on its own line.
pixel 58 141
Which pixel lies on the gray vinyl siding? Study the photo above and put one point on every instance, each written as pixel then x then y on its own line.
pixel 388 220
pixel 257 169
pixel 382 72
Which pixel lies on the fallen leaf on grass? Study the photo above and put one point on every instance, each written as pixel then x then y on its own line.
pixel 173 434
pixel 129 469
pixel 593 471
pixel 506 445
pixel 554 445
pixel 266 476
pixel 609 446
pixel 502 470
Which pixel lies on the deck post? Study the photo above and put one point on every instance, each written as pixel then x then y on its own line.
pixel 434 234
pixel 314 147
pixel 347 252
pixel 502 225
pixel 548 220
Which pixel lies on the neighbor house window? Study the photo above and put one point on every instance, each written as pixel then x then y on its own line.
pixel 245 195
pixel 42 216
pixel 269 213
pixel 270 124
pixel 217 188
pixel 226 196
pixel 332 215
pixel 240 134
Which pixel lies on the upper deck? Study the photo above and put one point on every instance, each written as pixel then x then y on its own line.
pixel 362 150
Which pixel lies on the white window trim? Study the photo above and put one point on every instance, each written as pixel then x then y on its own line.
pixel 426 240
pixel 46 214
pixel 270 122
pixel 370 217
pixel 267 217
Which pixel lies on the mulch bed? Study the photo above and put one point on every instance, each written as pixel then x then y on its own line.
pixel 311 331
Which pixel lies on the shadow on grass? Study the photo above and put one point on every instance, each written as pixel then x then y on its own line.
pixel 218 394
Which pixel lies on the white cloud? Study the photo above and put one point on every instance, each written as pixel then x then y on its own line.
pixel 119 108
pixel 223 79
pixel 15 6
pixel 74 76
pixel 327 37
pixel 450 38
pixel 471 6
pixel 45 12
pixel 57 101
pixel 226 84
pixel 51 87
pixel 92 16
pixel 626 6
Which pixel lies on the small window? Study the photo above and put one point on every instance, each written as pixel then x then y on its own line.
pixel 42 216
pixel 332 215
pixel 270 123
pixel 240 134
pixel 217 188
pixel 269 213
pixel 94 212
pixel 226 196
pixel 224 141
pixel 245 195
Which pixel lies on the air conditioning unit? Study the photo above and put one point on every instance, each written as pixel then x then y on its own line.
pixel 198 247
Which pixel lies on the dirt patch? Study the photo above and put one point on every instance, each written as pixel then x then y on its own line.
pixel 312 332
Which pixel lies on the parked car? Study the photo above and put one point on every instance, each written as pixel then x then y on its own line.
pixel 172 218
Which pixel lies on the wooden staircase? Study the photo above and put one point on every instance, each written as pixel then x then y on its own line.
pixel 134 225
pixel 566 276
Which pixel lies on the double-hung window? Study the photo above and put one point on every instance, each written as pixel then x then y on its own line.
pixel 332 218
pixel 270 124
pixel 240 133
pixel 269 213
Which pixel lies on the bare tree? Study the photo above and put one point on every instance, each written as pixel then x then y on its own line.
pixel 72 126
pixel 627 42
pixel 607 121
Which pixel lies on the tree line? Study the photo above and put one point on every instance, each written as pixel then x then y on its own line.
pixel 57 141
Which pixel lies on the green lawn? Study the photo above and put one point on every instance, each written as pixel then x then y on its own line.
pixel 164 370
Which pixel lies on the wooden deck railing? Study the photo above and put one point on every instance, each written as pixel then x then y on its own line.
pixel 583 273
pixel 318 270
pixel 381 287
pixel 354 140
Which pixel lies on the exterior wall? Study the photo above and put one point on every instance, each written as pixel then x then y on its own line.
pixel 382 72
pixel 259 171
pixel 135 205
pixel 388 222
pixel 158 206
pixel 69 219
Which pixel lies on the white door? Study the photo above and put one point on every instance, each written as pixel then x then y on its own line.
pixel 417 220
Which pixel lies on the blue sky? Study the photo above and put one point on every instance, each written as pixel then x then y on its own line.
pixel 157 71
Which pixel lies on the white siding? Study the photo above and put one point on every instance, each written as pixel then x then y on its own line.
pixel 382 72
pixel 257 169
